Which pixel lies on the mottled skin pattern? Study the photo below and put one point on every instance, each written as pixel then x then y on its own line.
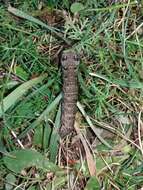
pixel 69 63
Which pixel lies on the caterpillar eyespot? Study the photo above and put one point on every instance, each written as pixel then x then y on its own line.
pixel 76 57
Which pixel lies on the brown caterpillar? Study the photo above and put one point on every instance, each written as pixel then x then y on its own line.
pixel 69 64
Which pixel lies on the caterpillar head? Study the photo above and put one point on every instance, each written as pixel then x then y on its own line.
pixel 69 59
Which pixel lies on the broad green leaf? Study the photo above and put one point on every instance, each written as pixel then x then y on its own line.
pixel 21 159
pixel 14 96
pixel 92 184
pixel 76 7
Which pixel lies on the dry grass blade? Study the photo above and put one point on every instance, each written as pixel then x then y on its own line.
pixel 89 157
pixel 80 107
pixel 135 31
pixel 139 132
pixel 18 141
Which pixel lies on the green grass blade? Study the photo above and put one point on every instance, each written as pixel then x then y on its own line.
pixel 55 137
pixel 113 7
pixel 123 83
pixel 42 116
pixel 14 96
